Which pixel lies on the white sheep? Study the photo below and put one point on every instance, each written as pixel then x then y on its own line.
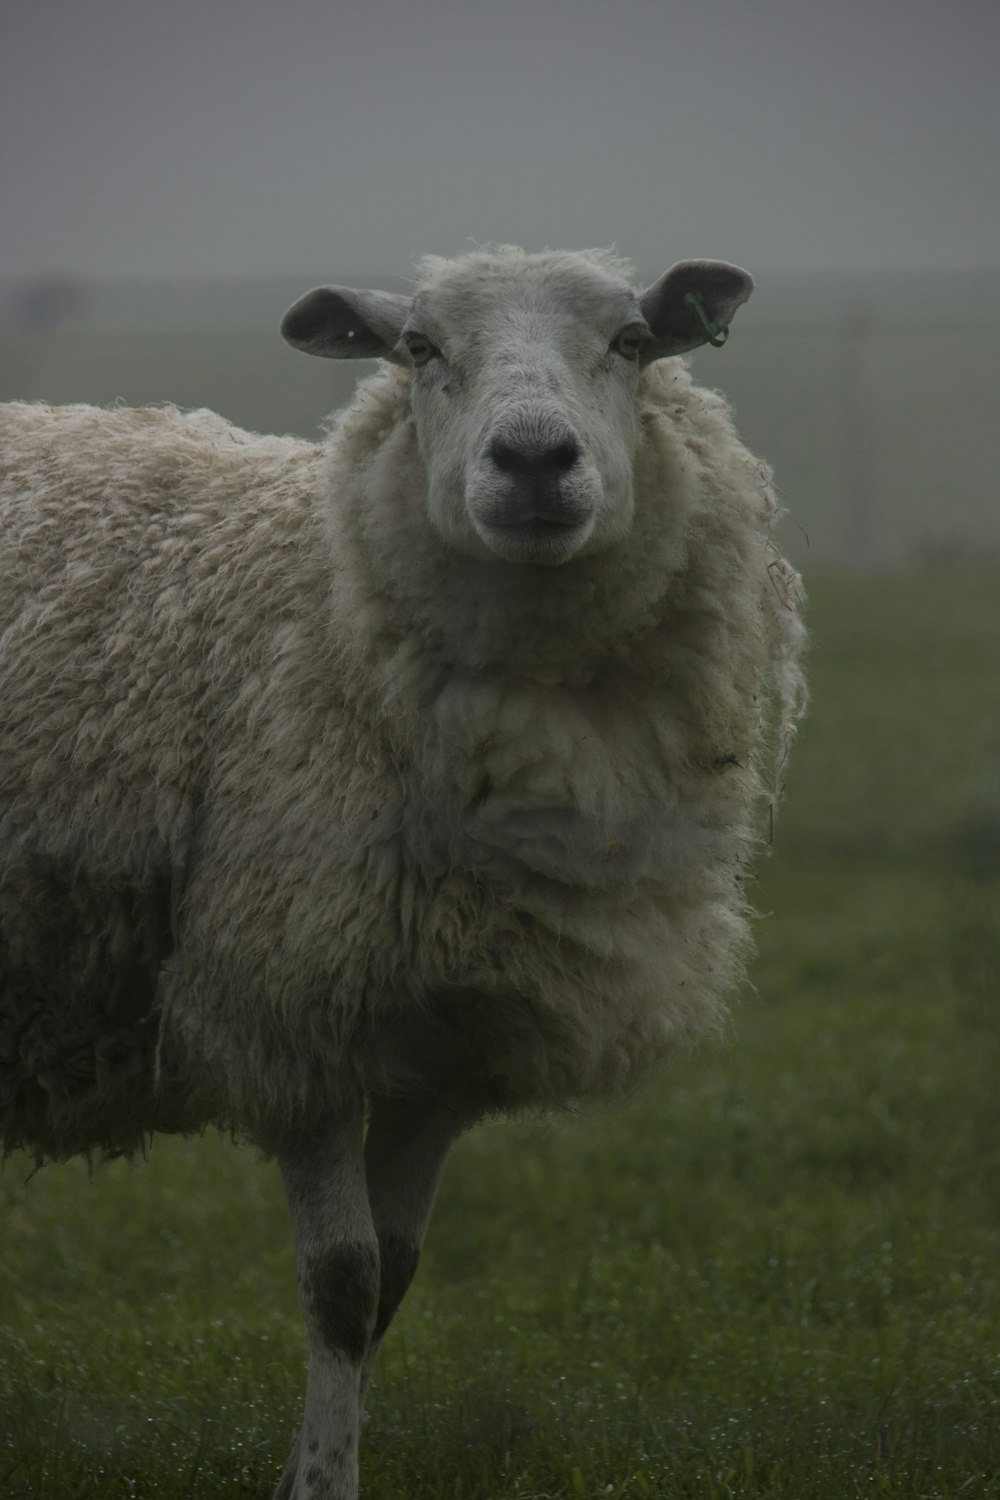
pixel 399 779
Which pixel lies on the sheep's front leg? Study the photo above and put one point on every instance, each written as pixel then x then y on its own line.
pixel 408 1140
pixel 338 1264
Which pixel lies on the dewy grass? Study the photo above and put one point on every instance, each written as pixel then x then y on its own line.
pixel 774 1273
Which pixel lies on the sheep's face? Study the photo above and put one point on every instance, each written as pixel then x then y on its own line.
pixel 524 402
pixel 525 376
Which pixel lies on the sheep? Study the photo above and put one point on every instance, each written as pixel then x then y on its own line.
pixel 353 791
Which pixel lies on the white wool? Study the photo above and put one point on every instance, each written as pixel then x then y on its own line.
pixel 304 794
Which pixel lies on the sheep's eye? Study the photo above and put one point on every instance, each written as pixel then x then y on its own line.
pixel 421 349
pixel 628 343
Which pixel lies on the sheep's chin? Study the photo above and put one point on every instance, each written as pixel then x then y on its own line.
pixel 539 542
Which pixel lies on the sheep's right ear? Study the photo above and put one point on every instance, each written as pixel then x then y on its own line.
pixel 338 323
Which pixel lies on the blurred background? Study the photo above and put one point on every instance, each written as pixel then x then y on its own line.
pixel 171 177
pixel 778 1272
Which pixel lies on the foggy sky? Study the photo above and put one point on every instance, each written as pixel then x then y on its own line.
pixel 204 137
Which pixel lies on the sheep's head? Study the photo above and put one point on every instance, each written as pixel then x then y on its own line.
pixel 525 377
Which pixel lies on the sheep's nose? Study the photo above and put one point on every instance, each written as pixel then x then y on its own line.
pixel 535 460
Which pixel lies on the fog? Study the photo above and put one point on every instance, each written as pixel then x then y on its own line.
pixel 245 138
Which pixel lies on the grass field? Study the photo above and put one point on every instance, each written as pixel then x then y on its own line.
pixel 775 1273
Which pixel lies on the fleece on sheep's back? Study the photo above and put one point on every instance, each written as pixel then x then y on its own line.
pixel 326 800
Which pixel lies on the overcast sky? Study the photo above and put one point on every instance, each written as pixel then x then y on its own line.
pixel 199 137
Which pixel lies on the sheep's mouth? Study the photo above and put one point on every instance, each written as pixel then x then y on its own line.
pixel 542 505
pixel 540 525
pixel 536 538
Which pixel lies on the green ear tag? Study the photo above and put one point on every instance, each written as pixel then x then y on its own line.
pixel 716 336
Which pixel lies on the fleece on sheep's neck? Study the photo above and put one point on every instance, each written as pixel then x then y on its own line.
pixel 593 724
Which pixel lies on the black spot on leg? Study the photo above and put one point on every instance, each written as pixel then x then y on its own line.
pixel 314 1476
pixel 314 1446
pixel 340 1293
pixel 399 1262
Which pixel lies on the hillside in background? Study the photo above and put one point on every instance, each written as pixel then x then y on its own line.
pixel 873 396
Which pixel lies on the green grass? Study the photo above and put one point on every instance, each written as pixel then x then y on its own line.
pixel 773 1274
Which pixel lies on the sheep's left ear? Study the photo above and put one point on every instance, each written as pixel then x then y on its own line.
pixel 339 323
pixel 674 322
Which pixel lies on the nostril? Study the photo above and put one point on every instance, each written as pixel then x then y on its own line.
pixel 534 460
pixel 505 457
pixel 564 456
